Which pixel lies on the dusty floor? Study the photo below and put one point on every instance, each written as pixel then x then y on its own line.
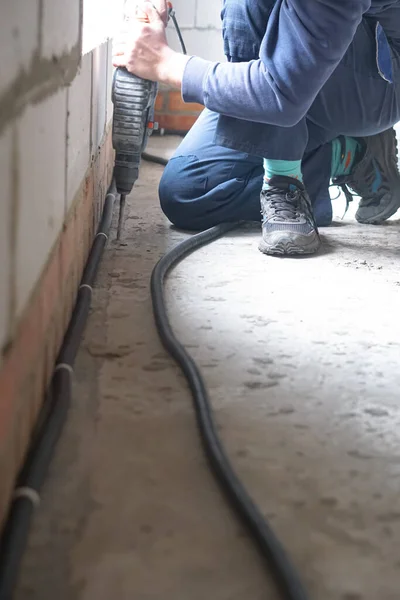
pixel 302 359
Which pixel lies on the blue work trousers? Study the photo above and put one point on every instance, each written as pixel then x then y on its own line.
pixel 216 173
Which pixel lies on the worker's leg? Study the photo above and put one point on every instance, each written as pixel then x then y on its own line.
pixel 196 190
pixel 205 184
pixel 356 101
pixel 208 182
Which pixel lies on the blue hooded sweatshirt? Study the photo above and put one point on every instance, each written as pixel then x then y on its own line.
pixel 304 42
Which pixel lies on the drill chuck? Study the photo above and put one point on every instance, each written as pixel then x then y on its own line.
pixel 133 100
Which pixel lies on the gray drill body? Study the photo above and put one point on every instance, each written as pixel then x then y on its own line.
pixel 133 100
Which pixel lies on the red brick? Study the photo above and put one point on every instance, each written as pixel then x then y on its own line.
pixel 24 420
pixel 50 287
pixel 20 356
pixel 8 468
pixel 68 270
pixel 51 346
pixel 176 104
pixel 160 102
pixel 177 122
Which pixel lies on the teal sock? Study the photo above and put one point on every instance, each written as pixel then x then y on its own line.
pixel 283 168
pixel 343 156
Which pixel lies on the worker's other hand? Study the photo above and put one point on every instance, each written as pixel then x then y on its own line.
pixel 143 49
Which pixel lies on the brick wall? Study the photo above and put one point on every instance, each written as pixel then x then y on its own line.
pixel 172 113
pixel 200 24
pixel 55 167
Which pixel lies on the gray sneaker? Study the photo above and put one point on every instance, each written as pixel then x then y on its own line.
pixel 288 225
pixel 375 178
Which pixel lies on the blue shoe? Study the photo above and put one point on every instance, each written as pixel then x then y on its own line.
pixel 375 178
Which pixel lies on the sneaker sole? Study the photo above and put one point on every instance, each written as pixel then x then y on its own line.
pixel 290 245
pixel 389 210
pixel 394 178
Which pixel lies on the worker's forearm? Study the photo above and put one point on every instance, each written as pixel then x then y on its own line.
pixel 304 43
pixel 172 67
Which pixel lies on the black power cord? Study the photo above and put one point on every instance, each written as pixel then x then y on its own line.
pixel 285 575
pixel 171 13
pixel 159 160
pixel 51 419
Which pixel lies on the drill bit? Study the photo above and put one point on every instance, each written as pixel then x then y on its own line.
pixel 121 215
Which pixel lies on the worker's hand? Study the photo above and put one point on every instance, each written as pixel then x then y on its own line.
pixel 161 7
pixel 133 7
pixel 143 49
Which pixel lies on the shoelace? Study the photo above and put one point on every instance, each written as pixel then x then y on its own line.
pixel 292 206
pixel 367 196
pixel 347 193
pixel 287 207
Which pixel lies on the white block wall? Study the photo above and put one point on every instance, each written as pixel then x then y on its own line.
pixel 41 135
pixel 200 23
pixel 49 132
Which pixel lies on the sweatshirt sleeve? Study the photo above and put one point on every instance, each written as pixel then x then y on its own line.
pixel 304 42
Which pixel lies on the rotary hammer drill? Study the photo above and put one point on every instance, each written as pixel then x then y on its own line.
pixel 133 99
pixel 133 123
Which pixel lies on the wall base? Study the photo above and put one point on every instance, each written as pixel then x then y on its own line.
pixel 29 361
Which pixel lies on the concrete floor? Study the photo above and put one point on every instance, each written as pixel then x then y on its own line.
pixel 302 360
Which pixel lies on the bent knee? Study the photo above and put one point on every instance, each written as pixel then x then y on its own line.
pixel 181 189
